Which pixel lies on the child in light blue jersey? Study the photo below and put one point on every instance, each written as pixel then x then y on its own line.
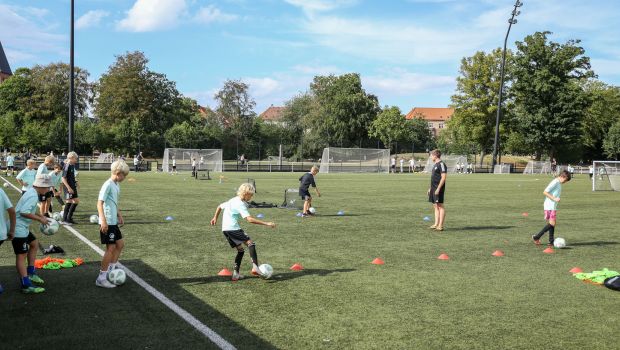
pixel 27 175
pixel 110 218
pixel 235 209
pixel 552 197
pixel 7 225
pixel 10 164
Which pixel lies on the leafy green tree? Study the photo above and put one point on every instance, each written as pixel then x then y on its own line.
pixel 611 144
pixel 549 100
pixel 417 133
pixel 389 126
pixel 602 113
pixel 235 112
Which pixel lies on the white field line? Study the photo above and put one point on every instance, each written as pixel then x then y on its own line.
pixel 191 320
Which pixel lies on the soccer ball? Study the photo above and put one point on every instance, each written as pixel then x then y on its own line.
pixel 559 243
pixel 117 276
pixel 266 271
pixel 6 184
pixel 312 210
pixel 94 219
pixel 57 216
pixel 51 227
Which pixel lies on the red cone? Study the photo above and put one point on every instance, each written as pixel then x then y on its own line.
pixel 254 272
pixel 224 272
pixel 549 250
pixel 525 214
pixel 297 267
pixel 378 261
pixel 575 270
pixel 443 256
pixel 498 253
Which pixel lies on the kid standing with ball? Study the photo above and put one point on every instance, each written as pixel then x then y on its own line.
pixel 109 219
pixel 235 209
pixel 552 193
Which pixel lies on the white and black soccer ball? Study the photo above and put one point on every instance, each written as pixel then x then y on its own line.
pixel 51 227
pixel 94 219
pixel 312 210
pixel 559 243
pixel 57 216
pixel 266 271
pixel 117 277
pixel 6 184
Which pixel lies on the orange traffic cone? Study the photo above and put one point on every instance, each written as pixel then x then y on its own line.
pixel 525 214
pixel 575 270
pixel 297 267
pixel 443 256
pixel 378 261
pixel 224 272
pixel 254 272
pixel 549 250
pixel 498 253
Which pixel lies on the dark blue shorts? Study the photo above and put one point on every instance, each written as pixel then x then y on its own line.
pixel 114 234
pixel 304 194
pixel 236 238
pixel 21 245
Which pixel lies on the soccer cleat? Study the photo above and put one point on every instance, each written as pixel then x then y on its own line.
pixel 237 276
pixel 104 283
pixel 32 290
pixel 71 222
pixel 536 241
pixel 36 279
pixel 432 227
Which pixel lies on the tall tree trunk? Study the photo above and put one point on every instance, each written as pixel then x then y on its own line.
pixel 481 157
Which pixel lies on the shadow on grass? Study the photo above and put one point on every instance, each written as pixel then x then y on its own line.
pixel 480 228
pixel 594 243
pixel 278 277
pixel 73 311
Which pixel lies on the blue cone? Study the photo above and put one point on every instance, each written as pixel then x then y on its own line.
pixel 341 213
pixel 426 218
pixel 260 216
pixel 169 218
pixel 298 215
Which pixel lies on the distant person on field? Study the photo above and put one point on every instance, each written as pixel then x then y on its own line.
pixel 110 218
pixel 194 167
pixel 56 176
pixel 305 182
pixel 411 165
pixel 235 209
pixel 7 227
pixel 174 165
pixel 554 166
pixel 69 181
pixel 393 165
pixel 591 171
pixel 135 163
pixel 27 176
pixel 402 162
pixel 437 189
pixel 10 164
pixel 552 193
pixel 46 200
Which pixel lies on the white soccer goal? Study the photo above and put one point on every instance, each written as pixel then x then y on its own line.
pixel 105 158
pixel 501 169
pixel 606 176
pixel 455 163
pixel 206 159
pixel 537 167
pixel 355 160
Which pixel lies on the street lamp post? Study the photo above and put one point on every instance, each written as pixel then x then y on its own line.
pixel 511 21
pixel 71 84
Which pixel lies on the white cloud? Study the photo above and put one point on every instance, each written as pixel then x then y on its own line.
pixel 91 19
pixel 316 69
pixel 401 82
pixel 312 6
pixel 211 14
pixel 152 15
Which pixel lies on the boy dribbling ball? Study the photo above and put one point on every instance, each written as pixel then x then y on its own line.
pixel 305 182
pixel 110 218
pixel 234 209
pixel 552 193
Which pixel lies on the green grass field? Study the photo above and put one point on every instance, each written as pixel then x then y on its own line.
pixel 524 300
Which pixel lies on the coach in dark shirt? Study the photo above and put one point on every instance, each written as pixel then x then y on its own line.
pixel 437 189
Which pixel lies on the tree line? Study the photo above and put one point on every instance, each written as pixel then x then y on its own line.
pixel 554 107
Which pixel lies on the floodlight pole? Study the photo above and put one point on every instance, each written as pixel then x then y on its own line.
pixel 71 83
pixel 511 21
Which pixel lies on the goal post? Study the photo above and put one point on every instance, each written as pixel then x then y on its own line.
pixel 355 160
pixel 501 169
pixel 454 163
pixel 206 159
pixel 606 176
pixel 537 167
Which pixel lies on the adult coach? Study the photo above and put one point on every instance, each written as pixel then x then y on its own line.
pixel 438 188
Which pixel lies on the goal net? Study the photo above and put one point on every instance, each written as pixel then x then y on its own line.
pixel 501 169
pixel 355 160
pixel 206 159
pixel 537 167
pixel 606 176
pixel 292 200
pixel 455 163
pixel 105 158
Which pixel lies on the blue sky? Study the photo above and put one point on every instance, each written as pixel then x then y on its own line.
pixel 407 51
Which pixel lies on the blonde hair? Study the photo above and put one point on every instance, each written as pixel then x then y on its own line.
pixel 31 162
pixel 314 169
pixel 49 159
pixel 72 155
pixel 245 189
pixel 118 167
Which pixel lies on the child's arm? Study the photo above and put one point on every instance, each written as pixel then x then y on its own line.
pixel 104 223
pixel 66 183
pixel 121 221
pixel 252 220
pixel 40 218
pixel 216 215
pixel 317 191
pixel 552 197
pixel 12 219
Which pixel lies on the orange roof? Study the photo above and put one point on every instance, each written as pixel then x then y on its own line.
pixel 272 113
pixel 433 114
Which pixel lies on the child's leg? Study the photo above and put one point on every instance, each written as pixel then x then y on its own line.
pixel 106 260
pixel 21 267
pixel 551 230
pixel 120 244
pixel 239 258
pixel 65 212
pixel 306 206
pixel 252 248
pixel 442 214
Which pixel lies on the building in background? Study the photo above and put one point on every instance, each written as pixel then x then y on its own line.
pixel 5 69
pixel 273 115
pixel 436 118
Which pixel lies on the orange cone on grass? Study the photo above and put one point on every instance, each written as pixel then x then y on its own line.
pixel 498 253
pixel 297 267
pixel 254 272
pixel 575 270
pixel 443 256
pixel 378 261
pixel 224 272
pixel 549 250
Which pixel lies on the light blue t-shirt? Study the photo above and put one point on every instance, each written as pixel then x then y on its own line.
pixel 234 210
pixel 56 179
pixel 42 169
pixel 27 176
pixel 109 195
pixel 26 205
pixel 10 161
pixel 5 204
pixel 555 189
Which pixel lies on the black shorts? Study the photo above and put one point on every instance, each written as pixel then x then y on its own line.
pixel 436 198
pixel 236 237
pixel 114 234
pixel 73 195
pixel 21 245
pixel 10 167
pixel 305 194
pixel 174 167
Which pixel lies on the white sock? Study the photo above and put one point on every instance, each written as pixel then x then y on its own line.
pixel 112 266
pixel 102 275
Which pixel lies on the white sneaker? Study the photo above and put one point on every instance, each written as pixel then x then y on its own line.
pixel 237 276
pixel 104 283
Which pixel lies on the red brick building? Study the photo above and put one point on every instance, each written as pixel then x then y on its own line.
pixel 437 118
pixel 273 115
